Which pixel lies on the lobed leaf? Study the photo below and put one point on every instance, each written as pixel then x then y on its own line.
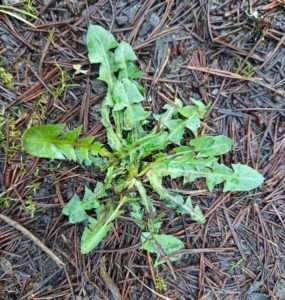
pixel 50 141
pixel 124 58
pixel 137 212
pixel 145 199
pixel 74 210
pixel 211 145
pixel 239 178
pixel 93 235
pixel 243 178
pixel 178 118
pixel 147 145
pixel 161 245
pixel 127 98
pixel 90 198
pixel 97 230
pixel 174 200
pixel 99 42
pixel 113 139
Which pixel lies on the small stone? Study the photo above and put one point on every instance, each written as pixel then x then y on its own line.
pixel 215 92
pixel 154 19
pixel 122 20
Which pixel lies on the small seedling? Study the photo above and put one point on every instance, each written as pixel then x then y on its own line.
pixel 244 68
pixel 39 110
pixel 236 264
pixel 160 284
pixel 30 207
pixel 6 78
pixel 142 150
pixel 4 202
pixel 10 135
pixel 64 84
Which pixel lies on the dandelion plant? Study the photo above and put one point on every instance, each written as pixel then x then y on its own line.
pixel 142 149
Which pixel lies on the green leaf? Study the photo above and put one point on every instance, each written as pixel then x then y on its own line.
pixel 186 151
pixel 177 118
pixel 73 134
pixel 193 123
pixel 177 202
pixel 100 191
pixel 90 199
pixel 93 235
pixel 244 178
pixel 113 139
pixel 133 72
pixel 106 70
pixel 197 215
pixel 170 111
pixel 201 107
pixel 221 172
pixel 194 114
pixel 109 177
pixel 211 145
pixel 176 130
pixel 50 141
pixel 155 179
pixel 240 178
pixel 84 148
pixel 97 230
pixel 173 200
pixel 161 245
pixel 124 57
pixel 136 211
pixel 127 97
pixel 125 94
pixel 124 53
pixel 147 145
pixel 193 118
pixel 133 116
pixel 74 210
pixel 146 201
pixel 39 141
pixel 185 166
pixel 99 42
pixel 154 224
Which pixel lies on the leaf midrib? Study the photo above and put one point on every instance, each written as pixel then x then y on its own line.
pixel 205 174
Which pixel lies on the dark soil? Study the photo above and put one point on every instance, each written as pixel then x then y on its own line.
pixel 182 47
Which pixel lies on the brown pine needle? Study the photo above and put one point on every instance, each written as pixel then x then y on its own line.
pixel 38 242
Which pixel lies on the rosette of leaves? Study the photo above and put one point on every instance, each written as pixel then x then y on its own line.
pixel 138 156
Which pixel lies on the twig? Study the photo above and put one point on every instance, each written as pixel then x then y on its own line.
pixel 38 242
pixel 202 250
pixel 109 282
pixel 227 74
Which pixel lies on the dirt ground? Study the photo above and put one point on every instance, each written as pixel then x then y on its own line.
pixel 229 53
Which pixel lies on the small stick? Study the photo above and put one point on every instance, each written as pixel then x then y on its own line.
pixel 227 74
pixel 109 282
pixel 38 242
